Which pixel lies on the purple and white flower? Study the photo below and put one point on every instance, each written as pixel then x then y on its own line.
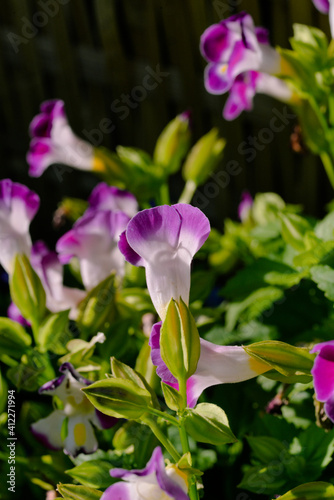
pixel 77 415
pixel 164 240
pixel 233 47
pixel 326 7
pixel 155 481
pixel 18 206
pixel 216 365
pixel 50 271
pixel 245 206
pixel 53 141
pixel 104 197
pixel 93 240
pixel 247 85
pixel 323 376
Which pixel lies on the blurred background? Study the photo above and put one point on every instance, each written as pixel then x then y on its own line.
pixel 96 55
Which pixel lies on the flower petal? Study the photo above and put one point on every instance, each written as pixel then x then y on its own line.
pixel 80 437
pixel 48 430
pixel 323 371
pixel 322 5
pixel 104 197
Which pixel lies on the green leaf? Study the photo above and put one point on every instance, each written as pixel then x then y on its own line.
pixel 267 449
pixel 311 44
pixel 266 480
pixel 27 291
pixel 72 492
pixel 179 341
pixel 33 371
pixel 322 253
pixel 52 335
pixel 3 393
pixel 204 157
pixel 98 306
pixel 81 351
pixel 323 276
pixel 134 157
pixel 13 338
pixel 121 370
pixel 208 423
pixel 173 144
pixel 262 272
pixel 324 229
pixel 310 491
pixel 286 359
pixel 93 473
pixel 172 397
pixel 294 228
pixel 252 306
pixel 119 398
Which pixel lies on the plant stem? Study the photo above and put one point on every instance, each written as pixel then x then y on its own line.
pixel 163 439
pixel 164 194
pixel 188 192
pixel 329 167
pixel 193 493
pixel 164 415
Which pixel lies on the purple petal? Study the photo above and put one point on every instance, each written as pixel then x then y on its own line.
pixel 195 227
pixel 241 95
pixel 245 205
pixel 322 5
pixel 104 197
pixel 119 491
pixel 104 421
pixel 262 35
pixel 13 192
pixel 39 156
pixel 65 369
pixel 48 430
pixel 216 79
pixel 14 313
pixel 162 370
pixel 129 254
pixel 215 42
pixel 323 371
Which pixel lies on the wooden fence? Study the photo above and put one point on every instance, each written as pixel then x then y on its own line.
pixel 96 55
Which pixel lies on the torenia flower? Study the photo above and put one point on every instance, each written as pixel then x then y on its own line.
pixel 234 46
pixel 247 85
pixel 164 240
pixel 326 7
pixel 53 141
pixel 50 271
pixel 323 376
pixel 77 416
pixel 93 240
pixel 104 197
pixel 155 482
pixel 216 365
pixel 18 206
pixel 245 206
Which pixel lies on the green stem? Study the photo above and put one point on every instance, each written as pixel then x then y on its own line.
pixel 163 439
pixel 164 415
pixel 329 167
pixel 188 192
pixel 164 194
pixel 193 493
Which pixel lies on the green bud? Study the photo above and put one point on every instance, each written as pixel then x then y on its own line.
pixel 179 342
pixel 27 291
pixel 204 157
pixel 208 423
pixel 98 306
pixel 173 143
pixel 119 398
pixel 286 359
